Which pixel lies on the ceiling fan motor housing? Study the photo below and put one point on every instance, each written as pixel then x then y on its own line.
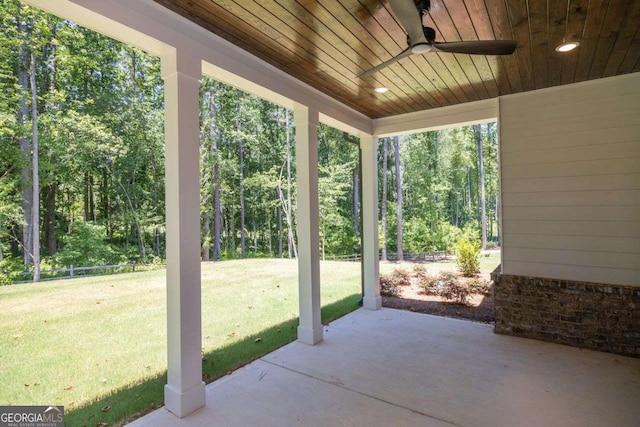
pixel 423 6
pixel 429 34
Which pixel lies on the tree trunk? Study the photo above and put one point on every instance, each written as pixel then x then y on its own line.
pixel 136 224
pixel 92 200
pixel 356 202
pixel 291 241
pixel 50 220
pixel 270 231
pixel 206 220
pixel 232 228
pixel 217 210
pixel 254 230
pixel 241 175
pixel 86 197
pixel 385 158
pixel 498 235
pixel 205 178
pixel 470 191
pixel 35 212
pixel 217 220
pixel 396 147
pixel 50 215
pixel 15 241
pixel 279 218
pixel 105 204
pixel 25 144
pixel 477 132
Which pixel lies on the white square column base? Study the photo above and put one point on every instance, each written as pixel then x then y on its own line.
pixel 372 303
pixel 310 336
pixel 182 404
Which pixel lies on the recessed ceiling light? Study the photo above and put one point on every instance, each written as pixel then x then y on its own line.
pixel 566 47
pixel 381 89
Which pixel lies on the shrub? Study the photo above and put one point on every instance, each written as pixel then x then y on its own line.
pixel 419 269
pixel 446 285
pixel 480 286
pixel 388 286
pixel 10 269
pixel 454 290
pixel 84 246
pixel 401 277
pixel 467 256
pixel 5 280
pixel 429 284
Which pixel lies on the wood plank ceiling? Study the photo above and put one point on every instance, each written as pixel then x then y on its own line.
pixel 328 43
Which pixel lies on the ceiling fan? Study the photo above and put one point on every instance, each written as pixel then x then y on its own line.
pixel 421 39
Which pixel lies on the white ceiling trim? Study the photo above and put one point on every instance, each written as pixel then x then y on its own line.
pixel 438 118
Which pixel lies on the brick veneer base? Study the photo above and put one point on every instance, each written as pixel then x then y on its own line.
pixel 589 315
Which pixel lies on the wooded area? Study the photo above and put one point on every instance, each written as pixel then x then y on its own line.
pixel 82 164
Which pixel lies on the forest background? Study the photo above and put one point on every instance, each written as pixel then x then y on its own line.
pixel 82 164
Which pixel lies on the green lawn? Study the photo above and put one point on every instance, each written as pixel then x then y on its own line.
pixel 75 342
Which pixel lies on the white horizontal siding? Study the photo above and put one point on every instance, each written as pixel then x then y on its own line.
pixel 572 257
pixel 573 198
pixel 571 228
pixel 580 138
pixel 573 168
pixel 607 244
pixel 570 181
pixel 585 152
pixel 573 183
pixel 573 213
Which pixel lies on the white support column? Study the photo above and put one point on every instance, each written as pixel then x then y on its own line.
pixel 306 122
pixel 184 391
pixel 370 256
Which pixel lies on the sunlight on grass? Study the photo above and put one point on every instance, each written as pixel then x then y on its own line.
pixel 74 342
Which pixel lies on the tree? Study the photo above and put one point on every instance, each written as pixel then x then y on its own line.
pixel 35 183
pixel 396 150
pixel 477 132
pixel 25 144
pixel 93 108
pixel 385 157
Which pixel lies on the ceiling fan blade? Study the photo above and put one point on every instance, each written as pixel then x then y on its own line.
pixel 409 17
pixel 478 47
pixel 385 64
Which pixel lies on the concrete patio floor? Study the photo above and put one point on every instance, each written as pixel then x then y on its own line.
pixel 397 368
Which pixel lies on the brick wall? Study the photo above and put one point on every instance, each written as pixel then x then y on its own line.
pixel 589 315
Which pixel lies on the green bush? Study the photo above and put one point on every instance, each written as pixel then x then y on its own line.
pixel 85 246
pixel 5 280
pixel 419 269
pixel 402 277
pixel 480 286
pixel 10 269
pixel 448 235
pixel 422 236
pixel 454 290
pixel 429 284
pixel 446 285
pixel 388 286
pixel 467 256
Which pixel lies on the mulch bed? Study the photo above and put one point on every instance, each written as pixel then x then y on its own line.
pixel 478 309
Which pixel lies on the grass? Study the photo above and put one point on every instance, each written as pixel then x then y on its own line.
pixel 98 345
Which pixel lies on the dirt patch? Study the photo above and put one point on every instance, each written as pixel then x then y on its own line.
pixel 479 308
